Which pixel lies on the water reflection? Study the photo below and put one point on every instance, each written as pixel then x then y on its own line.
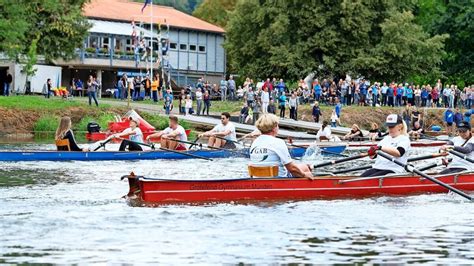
pixel 71 212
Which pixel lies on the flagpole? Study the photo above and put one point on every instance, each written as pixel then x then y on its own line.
pixel 151 48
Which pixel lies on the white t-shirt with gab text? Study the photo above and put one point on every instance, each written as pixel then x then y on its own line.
pixel 270 151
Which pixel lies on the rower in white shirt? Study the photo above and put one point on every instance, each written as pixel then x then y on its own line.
pixel 171 134
pixel 222 135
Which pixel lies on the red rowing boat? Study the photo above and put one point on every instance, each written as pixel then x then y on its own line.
pixel 148 191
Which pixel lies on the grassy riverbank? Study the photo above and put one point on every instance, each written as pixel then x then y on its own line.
pixel 26 114
pixel 35 114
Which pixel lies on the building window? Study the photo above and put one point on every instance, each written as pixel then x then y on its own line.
pixel 93 42
pixel 192 47
pixel 173 46
pixel 202 49
pixel 105 42
pixel 183 47
pixel 129 45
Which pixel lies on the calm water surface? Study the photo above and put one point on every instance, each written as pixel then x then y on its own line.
pixel 73 212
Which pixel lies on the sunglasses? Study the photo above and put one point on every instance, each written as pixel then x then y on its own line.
pixel 462 130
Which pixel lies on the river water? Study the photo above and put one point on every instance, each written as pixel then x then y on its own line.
pixel 73 212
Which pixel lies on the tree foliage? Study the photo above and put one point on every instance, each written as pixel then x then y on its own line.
pixel 215 11
pixel 458 22
pixel 50 28
pixel 374 38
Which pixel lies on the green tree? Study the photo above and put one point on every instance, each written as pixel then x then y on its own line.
pixel 13 27
pixel 51 28
pixel 457 21
pixel 215 11
pixel 292 38
pixel 59 27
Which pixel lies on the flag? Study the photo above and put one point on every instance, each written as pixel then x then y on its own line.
pixel 146 3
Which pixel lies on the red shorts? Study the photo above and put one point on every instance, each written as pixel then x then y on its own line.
pixel 181 147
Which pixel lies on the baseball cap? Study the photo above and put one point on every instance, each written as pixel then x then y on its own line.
pixel 464 125
pixel 393 120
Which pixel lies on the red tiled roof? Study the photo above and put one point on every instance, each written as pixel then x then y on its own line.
pixel 124 10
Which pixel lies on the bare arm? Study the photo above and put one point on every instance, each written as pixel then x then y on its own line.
pixel 296 171
pixel 155 135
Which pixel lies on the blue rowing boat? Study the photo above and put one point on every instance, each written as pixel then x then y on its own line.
pixel 20 156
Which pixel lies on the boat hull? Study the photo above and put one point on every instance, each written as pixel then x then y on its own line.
pixel 13 156
pixel 144 191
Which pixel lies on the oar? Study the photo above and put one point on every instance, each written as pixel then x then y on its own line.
pixel 432 165
pixel 365 167
pixel 362 155
pixel 195 142
pixel 102 144
pixel 210 147
pixel 152 146
pixel 426 157
pixel 412 169
pixel 461 155
pixel 413 159
pixel 229 150
pixel 188 142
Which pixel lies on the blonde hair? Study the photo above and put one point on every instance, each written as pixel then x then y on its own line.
pixel 404 128
pixel 63 128
pixel 266 123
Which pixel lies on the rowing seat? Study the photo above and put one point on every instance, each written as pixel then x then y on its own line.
pixel 321 138
pixel 63 145
pixel 263 171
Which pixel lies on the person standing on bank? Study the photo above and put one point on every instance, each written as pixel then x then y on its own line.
pixel 8 82
pixel 396 144
pixel 154 88
pixel 47 88
pixel 198 101
pixel 92 87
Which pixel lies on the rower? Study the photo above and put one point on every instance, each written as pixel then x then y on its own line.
pixel 135 134
pixel 171 134
pixel 464 143
pixel 354 134
pixel 325 133
pixel 416 131
pixel 267 151
pixel 396 144
pixel 374 132
pixel 64 136
pixel 222 135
